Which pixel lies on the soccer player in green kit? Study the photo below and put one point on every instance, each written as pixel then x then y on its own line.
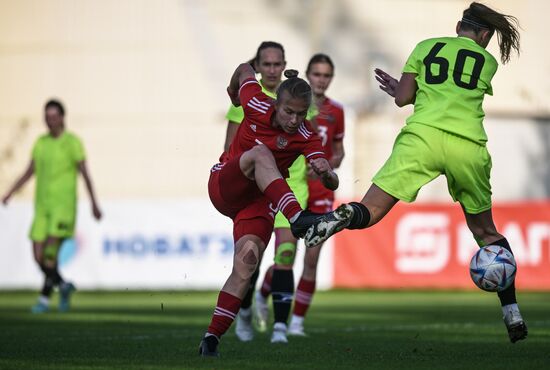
pixel 446 79
pixel 270 63
pixel 57 157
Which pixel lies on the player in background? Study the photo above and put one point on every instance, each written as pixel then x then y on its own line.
pixel 270 138
pixel 446 79
pixel 270 63
pixel 327 117
pixel 57 158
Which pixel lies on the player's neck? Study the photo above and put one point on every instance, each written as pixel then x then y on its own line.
pixel 271 90
pixel 319 99
pixel 56 134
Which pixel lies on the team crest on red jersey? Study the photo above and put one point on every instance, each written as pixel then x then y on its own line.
pixel 281 142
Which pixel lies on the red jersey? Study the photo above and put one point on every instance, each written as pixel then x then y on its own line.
pixel 256 128
pixel 330 128
pixel 330 124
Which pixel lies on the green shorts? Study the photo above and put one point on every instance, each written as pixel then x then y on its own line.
pixel 55 222
pixel 298 184
pixel 421 153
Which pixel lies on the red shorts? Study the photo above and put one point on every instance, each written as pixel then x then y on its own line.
pixel 237 197
pixel 321 199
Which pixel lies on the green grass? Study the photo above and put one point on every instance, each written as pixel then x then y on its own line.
pixel 348 329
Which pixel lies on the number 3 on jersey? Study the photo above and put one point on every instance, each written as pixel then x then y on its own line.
pixel 458 69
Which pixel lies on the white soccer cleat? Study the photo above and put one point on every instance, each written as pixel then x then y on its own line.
pixel 261 312
pixel 517 330
pixel 243 325
pixel 296 329
pixel 279 333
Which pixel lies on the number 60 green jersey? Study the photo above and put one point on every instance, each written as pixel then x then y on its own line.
pixel 453 75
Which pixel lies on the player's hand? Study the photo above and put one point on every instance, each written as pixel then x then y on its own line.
pixel 310 173
pixel 387 82
pixel 320 166
pixel 234 96
pixel 96 212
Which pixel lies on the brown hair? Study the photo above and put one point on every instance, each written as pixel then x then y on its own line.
pixel 479 17
pixel 319 58
pixel 295 86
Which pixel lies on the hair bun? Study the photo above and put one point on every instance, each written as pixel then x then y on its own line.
pixel 291 73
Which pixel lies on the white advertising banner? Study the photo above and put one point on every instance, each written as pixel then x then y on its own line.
pixel 169 244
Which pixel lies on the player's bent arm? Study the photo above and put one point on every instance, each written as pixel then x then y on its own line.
pixel 232 128
pixel 328 177
pixel 20 182
pixel 243 72
pixel 84 171
pixel 337 153
pixel 405 92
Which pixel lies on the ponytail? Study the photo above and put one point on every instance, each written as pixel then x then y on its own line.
pixel 479 17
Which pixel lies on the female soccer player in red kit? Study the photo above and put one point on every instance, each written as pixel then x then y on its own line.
pixel 248 184
pixel 328 121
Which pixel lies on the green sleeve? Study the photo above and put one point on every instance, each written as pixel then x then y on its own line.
pixel 35 150
pixel 413 64
pixel 235 114
pixel 78 150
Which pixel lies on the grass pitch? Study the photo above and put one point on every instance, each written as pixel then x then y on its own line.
pixel 347 329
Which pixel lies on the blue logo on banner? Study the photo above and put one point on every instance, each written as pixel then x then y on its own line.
pixel 67 251
pixel 183 246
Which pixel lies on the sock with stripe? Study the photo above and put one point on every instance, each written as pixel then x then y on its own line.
pixel 226 309
pixel 303 297
pixel 283 198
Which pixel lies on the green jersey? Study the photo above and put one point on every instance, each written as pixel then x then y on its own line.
pixel 56 168
pixel 453 75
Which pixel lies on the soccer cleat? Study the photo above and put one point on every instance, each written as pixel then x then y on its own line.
pixel 65 290
pixel 209 346
pixel 261 312
pixel 279 333
pixel 243 326
pixel 304 221
pixel 296 329
pixel 40 307
pixel 517 330
pixel 328 225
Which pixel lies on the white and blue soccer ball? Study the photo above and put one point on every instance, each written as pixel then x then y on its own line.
pixel 493 268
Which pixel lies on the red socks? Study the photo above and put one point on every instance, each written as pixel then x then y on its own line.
pixel 227 308
pixel 282 197
pixel 303 297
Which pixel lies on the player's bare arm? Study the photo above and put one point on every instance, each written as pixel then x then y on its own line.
pixel 84 171
pixel 243 72
pixel 19 183
pixel 328 177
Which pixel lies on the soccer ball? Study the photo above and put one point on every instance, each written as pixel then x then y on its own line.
pixel 493 268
